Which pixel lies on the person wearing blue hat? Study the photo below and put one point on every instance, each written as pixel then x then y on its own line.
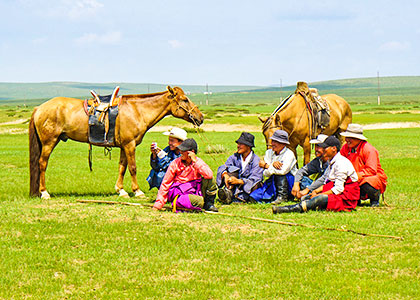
pixel 279 165
pixel 241 174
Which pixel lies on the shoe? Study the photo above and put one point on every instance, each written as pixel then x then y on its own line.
pixel 225 195
pixel 209 203
pixel 279 200
pixel 374 204
pixel 287 209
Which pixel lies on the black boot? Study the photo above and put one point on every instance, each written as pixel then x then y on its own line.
pixel 374 201
pixel 225 195
pixel 287 209
pixel 282 192
pixel 209 203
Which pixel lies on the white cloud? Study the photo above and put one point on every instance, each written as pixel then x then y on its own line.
pixel 82 8
pixel 110 38
pixel 40 40
pixel 73 9
pixel 395 46
pixel 175 44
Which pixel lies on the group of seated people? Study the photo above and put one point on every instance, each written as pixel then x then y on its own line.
pixel 337 179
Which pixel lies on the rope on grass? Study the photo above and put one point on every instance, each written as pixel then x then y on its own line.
pixel 253 218
pixel 307 226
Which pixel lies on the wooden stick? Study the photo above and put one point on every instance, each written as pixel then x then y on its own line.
pixel 305 225
pixel 250 218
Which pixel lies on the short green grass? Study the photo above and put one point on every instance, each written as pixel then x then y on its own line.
pixel 61 249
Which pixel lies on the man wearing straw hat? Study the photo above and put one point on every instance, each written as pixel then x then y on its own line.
pixel 365 159
pixel 161 158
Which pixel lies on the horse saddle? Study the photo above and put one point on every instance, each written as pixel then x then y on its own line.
pixel 318 106
pixel 102 112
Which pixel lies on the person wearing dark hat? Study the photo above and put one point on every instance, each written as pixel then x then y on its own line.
pixel 188 182
pixel 365 159
pixel 303 184
pixel 241 174
pixel 279 165
pixel 341 190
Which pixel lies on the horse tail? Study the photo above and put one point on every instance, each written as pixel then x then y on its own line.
pixel 35 148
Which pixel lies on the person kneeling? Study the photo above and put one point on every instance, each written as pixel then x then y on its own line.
pixel 341 191
pixel 188 183
pixel 279 166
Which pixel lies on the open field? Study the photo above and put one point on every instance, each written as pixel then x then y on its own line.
pixel 64 249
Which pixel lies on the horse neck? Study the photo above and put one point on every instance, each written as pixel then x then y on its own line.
pixel 156 106
pixel 294 108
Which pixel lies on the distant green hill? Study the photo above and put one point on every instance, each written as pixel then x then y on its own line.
pixel 46 90
pixel 398 89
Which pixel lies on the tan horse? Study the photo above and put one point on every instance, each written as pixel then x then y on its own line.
pixel 61 118
pixel 295 119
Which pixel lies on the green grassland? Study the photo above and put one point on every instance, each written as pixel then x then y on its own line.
pixel 62 249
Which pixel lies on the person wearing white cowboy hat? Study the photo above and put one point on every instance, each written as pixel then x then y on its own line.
pixel 160 159
pixel 304 185
pixel 365 159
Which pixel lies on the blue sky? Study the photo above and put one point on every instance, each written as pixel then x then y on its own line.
pixel 215 42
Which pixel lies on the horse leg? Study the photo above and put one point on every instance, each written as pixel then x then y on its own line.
pixel 306 152
pixel 43 163
pixel 119 186
pixel 130 152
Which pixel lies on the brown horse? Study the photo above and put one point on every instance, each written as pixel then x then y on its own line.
pixel 294 118
pixel 61 118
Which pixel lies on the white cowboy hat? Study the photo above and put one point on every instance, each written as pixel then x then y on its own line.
pixel 319 139
pixel 177 133
pixel 354 131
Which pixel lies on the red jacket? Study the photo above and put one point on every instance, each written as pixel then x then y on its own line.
pixel 365 159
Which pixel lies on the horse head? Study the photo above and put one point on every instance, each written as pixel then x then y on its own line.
pixel 269 126
pixel 182 107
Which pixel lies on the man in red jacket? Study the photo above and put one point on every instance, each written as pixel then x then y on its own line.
pixel 365 159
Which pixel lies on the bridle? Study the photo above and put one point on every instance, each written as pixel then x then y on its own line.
pixel 188 111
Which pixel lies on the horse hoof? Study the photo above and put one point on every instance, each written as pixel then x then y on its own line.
pixel 123 194
pixel 139 194
pixel 45 195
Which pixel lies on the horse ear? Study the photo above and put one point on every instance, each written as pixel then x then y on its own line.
pixel 263 119
pixel 170 90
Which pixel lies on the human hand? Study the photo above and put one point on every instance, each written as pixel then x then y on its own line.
pixel 262 163
pixel 277 165
pixel 295 189
pixel 235 181
pixel 192 156
pixel 302 193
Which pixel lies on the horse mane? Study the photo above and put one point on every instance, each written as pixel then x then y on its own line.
pixel 279 108
pixel 142 96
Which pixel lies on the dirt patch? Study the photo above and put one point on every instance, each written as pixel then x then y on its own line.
pixel 253 128
pixel 18 121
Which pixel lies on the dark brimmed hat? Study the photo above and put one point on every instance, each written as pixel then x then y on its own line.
pixel 280 136
pixel 331 141
pixel 247 139
pixel 188 145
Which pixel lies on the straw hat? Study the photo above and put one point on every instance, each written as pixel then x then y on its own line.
pixel 354 131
